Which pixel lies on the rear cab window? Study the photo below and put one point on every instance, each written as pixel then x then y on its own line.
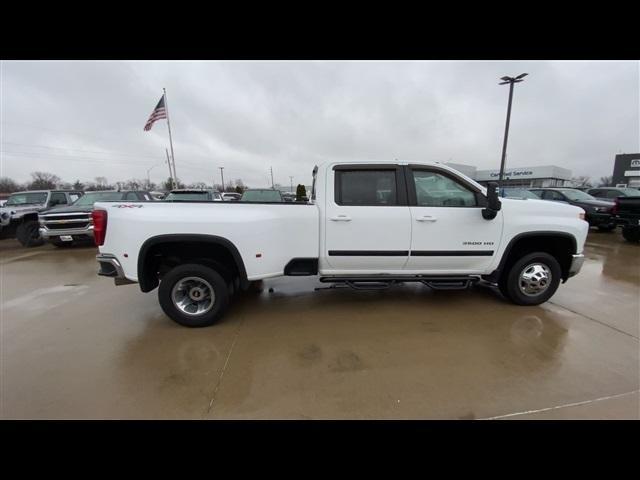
pixel 367 186
pixel 58 198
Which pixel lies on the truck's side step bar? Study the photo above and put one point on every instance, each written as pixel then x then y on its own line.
pixel 378 282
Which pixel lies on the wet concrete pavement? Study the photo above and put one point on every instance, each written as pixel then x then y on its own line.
pixel 75 346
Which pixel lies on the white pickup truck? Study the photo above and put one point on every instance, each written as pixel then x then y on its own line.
pixel 367 225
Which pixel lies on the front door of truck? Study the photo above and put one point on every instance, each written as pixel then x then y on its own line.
pixel 367 220
pixel 449 234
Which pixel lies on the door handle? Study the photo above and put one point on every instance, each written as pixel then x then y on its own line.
pixel 341 218
pixel 427 218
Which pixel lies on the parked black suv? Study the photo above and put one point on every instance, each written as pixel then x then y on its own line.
pixel 599 213
pixel 627 212
pixel 611 193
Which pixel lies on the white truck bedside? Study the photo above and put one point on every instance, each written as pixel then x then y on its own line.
pixel 368 224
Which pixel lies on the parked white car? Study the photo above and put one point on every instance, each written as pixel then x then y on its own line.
pixel 367 225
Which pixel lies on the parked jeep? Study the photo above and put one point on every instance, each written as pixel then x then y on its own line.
pixel 19 216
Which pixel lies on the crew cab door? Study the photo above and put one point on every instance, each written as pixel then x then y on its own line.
pixel 449 234
pixel 367 220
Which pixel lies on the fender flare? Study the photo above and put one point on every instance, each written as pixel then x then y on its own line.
pixel 146 285
pixel 495 275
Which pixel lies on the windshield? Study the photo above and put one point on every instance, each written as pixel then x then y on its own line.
pixel 518 193
pixel 188 196
pixel 577 195
pixel 90 198
pixel 261 196
pixel 27 198
pixel 630 192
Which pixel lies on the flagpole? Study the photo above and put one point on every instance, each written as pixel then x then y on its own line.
pixel 166 107
pixel 173 182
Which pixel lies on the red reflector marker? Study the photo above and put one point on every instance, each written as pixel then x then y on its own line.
pixel 99 226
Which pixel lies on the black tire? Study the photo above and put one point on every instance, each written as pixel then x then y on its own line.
pixel 631 234
pixel 28 234
pixel 606 228
pixel 510 282
pixel 215 280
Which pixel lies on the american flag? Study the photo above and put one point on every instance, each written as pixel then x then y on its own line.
pixel 158 113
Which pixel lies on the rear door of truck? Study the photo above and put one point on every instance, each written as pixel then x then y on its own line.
pixel 367 221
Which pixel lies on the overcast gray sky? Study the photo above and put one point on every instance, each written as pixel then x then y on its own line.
pixel 83 119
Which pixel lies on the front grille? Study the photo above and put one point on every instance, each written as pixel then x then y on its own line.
pixel 80 216
pixel 66 226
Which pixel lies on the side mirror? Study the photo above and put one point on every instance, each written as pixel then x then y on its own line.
pixel 493 202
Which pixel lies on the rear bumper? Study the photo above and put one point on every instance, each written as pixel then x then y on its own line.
pixel 576 264
pixel 631 221
pixel 110 267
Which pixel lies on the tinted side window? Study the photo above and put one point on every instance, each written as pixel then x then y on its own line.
pixel 437 190
pixel 130 196
pixel 551 195
pixel 613 193
pixel 366 187
pixel 58 199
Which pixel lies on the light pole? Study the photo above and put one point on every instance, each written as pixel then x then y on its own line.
pixel 291 178
pixel 511 81
pixel 222 175
pixel 148 177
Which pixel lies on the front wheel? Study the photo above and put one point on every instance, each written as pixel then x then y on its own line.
pixel 606 227
pixel 532 280
pixel 28 234
pixel 193 295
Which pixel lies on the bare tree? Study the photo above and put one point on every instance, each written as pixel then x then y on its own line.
pixel 201 185
pixel 7 185
pixel 606 181
pixel 582 181
pixel 43 181
pixel 101 184
pixel 133 184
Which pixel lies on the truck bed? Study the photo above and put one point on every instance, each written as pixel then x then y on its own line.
pixel 268 235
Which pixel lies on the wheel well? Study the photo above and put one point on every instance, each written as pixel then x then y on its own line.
pixel 159 255
pixel 27 217
pixel 561 247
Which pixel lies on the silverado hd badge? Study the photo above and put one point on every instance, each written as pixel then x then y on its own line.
pixel 121 205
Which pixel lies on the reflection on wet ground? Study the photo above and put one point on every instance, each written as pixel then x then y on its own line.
pixel 75 346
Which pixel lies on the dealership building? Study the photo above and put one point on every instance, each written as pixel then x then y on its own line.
pixel 544 176
pixel 626 170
